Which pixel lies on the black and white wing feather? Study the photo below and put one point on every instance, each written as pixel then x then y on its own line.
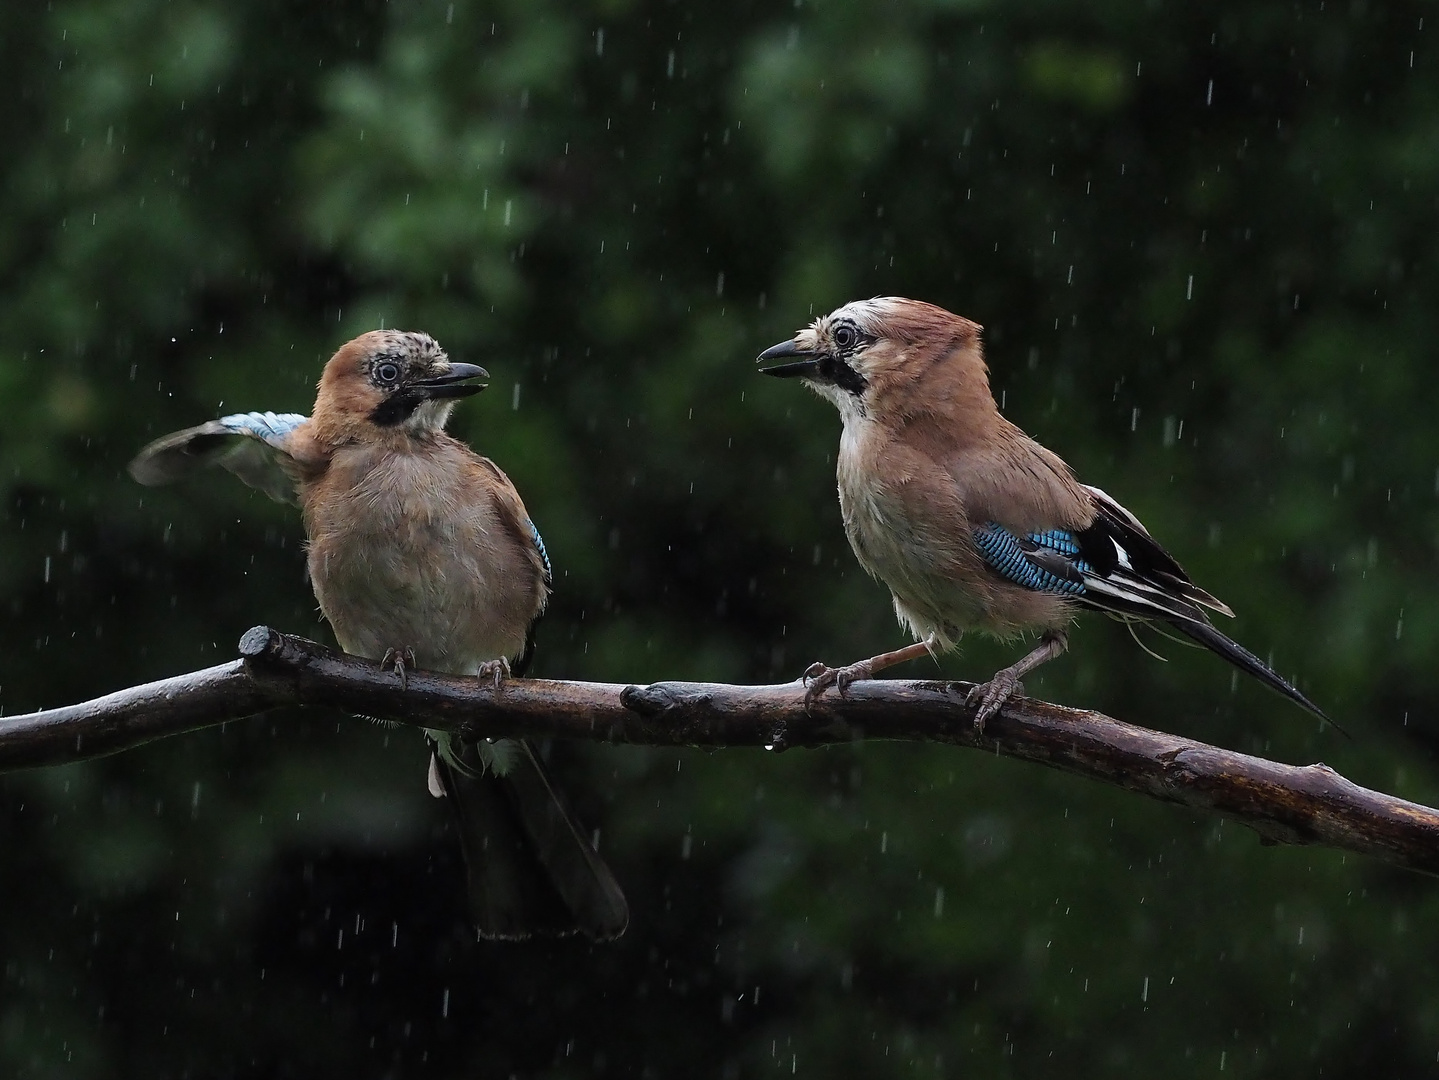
pixel 1116 567
pixel 1133 575
pixel 254 446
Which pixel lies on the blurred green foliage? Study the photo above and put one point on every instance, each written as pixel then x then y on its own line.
pixel 1201 239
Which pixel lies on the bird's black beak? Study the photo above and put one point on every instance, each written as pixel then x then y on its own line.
pixel 454 383
pixel 807 365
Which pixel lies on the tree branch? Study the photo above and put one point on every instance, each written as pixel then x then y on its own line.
pixel 1284 803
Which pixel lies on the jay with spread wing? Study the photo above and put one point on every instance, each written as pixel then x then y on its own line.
pixel 421 552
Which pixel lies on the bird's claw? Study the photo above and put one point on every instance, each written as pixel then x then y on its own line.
pixel 990 697
pixel 819 677
pixel 494 672
pixel 401 660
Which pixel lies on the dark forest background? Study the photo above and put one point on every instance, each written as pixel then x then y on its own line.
pixel 1202 241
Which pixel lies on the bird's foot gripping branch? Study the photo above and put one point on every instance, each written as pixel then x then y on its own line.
pixel 1309 804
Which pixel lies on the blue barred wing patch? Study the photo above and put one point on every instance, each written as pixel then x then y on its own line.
pixel 1060 540
pixel 270 427
pixel 540 546
pixel 1014 558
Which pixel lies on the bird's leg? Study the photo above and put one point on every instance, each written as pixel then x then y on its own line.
pixel 992 695
pixel 819 677
pixel 401 660
pixel 494 672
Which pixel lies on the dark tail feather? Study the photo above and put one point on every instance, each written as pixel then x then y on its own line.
pixel 1245 660
pixel 583 880
pixel 529 868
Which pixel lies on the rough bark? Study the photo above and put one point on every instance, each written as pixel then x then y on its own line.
pixel 1309 804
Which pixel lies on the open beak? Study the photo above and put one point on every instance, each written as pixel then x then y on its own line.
pixel 808 363
pixel 454 383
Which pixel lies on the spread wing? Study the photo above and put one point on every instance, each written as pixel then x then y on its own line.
pixel 254 446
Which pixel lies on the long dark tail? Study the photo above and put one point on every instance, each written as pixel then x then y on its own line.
pixel 1125 573
pixel 529 867
pixel 1245 660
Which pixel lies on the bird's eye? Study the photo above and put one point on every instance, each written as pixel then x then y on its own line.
pixel 845 336
pixel 387 372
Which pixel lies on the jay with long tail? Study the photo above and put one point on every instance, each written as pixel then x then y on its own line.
pixel 971 523
pixel 422 554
